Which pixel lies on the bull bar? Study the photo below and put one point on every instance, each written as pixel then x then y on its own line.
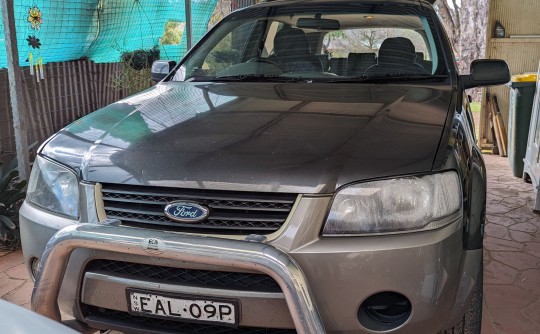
pixel 109 236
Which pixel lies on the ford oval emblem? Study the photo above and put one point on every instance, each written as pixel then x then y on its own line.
pixel 186 212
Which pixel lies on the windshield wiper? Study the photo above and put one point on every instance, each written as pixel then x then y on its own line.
pixel 386 78
pixel 247 78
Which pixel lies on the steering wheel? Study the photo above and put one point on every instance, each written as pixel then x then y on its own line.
pixel 266 61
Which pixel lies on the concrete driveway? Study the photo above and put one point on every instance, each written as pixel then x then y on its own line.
pixel 512 258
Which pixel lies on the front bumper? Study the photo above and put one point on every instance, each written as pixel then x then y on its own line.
pixel 430 268
pixel 219 252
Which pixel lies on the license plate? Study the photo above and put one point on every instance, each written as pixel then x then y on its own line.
pixel 185 308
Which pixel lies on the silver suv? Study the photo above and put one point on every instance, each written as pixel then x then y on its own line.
pixel 309 166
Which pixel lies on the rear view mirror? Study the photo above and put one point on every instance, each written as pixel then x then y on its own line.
pixel 318 24
pixel 161 68
pixel 486 72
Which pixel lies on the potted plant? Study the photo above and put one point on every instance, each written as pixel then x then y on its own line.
pixel 12 193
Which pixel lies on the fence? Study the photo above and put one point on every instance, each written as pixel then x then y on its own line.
pixel 102 30
pixel 72 90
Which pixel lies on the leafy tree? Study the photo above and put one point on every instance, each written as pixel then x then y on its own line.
pixel 222 56
pixel 331 37
pixel 370 39
pixel 222 9
pixel 173 33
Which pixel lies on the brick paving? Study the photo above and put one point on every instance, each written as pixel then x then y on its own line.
pixel 15 283
pixel 511 256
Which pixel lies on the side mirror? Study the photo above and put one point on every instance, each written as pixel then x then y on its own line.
pixel 161 68
pixel 486 72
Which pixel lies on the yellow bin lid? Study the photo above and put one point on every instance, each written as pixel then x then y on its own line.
pixel 525 77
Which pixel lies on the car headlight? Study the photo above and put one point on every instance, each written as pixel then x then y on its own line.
pixel 401 204
pixel 54 188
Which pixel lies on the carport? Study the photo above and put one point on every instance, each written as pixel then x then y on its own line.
pixel 512 242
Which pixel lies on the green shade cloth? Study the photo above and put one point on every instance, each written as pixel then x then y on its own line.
pixel 103 29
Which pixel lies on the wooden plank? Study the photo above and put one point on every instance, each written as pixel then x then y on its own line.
pixel 500 137
pixel 502 128
pixel 494 126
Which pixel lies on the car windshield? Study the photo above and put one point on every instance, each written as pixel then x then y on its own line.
pixel 334 43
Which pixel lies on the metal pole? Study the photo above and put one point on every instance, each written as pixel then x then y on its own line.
pixel 16 89
pixel 189 25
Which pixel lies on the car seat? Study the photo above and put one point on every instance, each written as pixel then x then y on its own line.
pixel 396 56
pixel 426 64
pixel 293 53
pixel 358 63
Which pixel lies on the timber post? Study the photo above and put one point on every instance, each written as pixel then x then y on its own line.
pixel 189 25
pixel 15 90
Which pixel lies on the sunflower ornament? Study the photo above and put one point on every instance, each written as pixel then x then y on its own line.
pixel 35 18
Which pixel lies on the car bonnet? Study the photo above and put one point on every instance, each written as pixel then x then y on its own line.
pixel 285 137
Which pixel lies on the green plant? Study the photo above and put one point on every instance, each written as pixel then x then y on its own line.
pixel 476 106
pixel 140 59
pixel 12 193
pixel 134 73
pixel 174 30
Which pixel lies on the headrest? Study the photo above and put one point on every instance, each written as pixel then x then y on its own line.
pixel 397 50
pixel 291 41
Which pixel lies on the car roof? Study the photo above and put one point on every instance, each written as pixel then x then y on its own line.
pixel 384 21
pixel 350 21
pixel 367 1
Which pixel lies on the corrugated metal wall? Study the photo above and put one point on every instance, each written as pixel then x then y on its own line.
pixel 236 4
pixel 519 17
pixel 69 91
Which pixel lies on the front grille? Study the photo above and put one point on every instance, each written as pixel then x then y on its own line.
pixel 192 277
pixel 230 212
pixel 123 319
